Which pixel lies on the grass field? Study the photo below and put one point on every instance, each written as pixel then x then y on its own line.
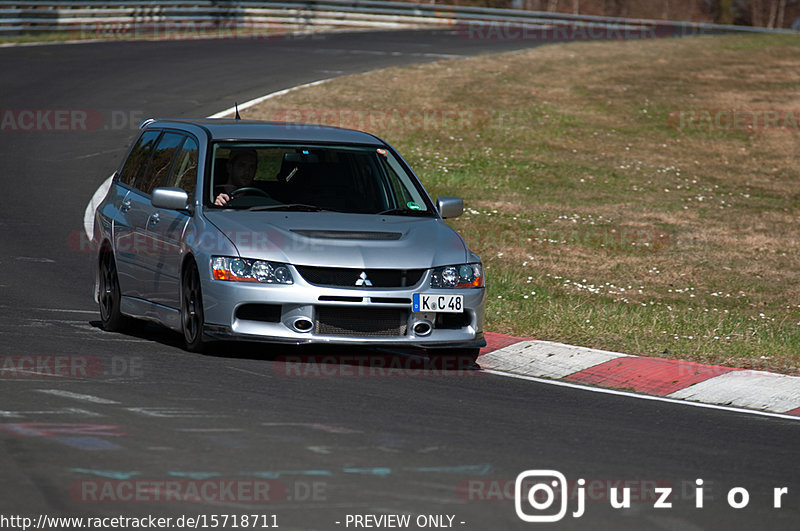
pixel 636 196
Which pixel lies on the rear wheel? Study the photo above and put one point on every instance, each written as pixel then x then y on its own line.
pixel 109 296
pixel 192 319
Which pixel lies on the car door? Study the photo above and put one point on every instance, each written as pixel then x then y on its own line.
pixel 132 212
pixel 148 219
pixel 167 228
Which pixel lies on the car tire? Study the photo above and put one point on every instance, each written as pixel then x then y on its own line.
pixel 109 295
pixel 192 318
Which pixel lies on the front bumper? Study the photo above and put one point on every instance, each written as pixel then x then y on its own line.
pixel 303 313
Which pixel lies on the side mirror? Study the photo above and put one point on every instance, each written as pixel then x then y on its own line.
pixel 450 207
pixel 170 198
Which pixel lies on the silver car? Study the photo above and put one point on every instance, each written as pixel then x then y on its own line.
pixel 294 233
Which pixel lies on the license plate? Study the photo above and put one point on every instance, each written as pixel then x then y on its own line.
pixel 422 302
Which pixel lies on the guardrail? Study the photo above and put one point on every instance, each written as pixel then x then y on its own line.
pixel 183 18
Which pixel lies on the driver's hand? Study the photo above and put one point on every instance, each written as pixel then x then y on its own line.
pixel 222 199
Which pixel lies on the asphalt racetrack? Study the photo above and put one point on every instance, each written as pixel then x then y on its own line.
pixel 114 425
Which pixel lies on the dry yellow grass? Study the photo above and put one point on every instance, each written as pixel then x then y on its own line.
pixel 614 190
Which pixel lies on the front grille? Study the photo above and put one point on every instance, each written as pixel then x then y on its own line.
pixel 360 322
pixel 360 278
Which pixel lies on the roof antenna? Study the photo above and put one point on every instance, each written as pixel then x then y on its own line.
pixel 236 106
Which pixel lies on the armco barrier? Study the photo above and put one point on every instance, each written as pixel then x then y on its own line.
pixel 140 16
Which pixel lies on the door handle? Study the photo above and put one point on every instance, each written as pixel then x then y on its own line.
pixel 154 219
pixel 125 206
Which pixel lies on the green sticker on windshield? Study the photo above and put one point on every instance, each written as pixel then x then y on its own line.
pixel 413 206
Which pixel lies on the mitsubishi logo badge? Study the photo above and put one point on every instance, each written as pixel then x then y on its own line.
pixel 363 280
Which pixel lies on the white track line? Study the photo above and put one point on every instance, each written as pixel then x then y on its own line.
pixel 78 396
pixel 256 101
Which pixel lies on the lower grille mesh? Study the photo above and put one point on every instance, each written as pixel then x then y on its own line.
pixel 360 322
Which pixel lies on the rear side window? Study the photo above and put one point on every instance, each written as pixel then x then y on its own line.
pixel 163 155
pixel 139 158
pixel 184 174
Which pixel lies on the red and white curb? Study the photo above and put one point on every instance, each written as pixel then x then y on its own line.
pixel 672 379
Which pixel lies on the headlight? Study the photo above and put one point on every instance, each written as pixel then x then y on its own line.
pixel 458 276
pixel 245 270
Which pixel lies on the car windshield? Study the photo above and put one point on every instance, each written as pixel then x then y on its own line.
pixel 310 178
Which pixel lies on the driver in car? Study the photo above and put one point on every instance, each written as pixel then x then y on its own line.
pixel 241 168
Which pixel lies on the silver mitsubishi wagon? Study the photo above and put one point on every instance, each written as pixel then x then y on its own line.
pixel 280 232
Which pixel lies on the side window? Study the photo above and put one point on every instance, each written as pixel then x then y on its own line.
pixel 139 157
pixel 184 174
pixel 163 155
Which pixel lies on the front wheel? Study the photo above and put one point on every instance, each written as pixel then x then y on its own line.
pixel 192 310
pixel 109 296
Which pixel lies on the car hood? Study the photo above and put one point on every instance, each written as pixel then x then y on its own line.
pixel 333 239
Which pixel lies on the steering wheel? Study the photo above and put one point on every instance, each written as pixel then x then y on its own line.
pixel 248 190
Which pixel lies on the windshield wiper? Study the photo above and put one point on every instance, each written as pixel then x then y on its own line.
pixel 402 212
pixel 291 206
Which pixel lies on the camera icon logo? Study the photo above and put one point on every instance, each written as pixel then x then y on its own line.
pixel 535 494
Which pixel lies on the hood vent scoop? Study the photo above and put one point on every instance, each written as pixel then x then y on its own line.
pixel 349 234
